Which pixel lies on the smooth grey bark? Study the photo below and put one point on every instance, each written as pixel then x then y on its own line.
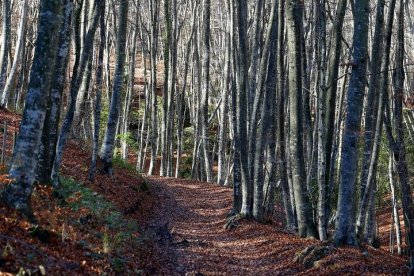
pixel 331 86
pixel 397 145
pixel 142 136
pixel 51 125
pixel 345 228
pixel 280 117
pixel 395 214
pixel 130 90
pixel 237 166
pixel 371 220
pixel 241 147
pixel 107 150
pixel 373 93
pixel 308 127
pixel 153 37
pixel 321 127
pixel 262 109
pixel 165 114
pixel 17 195
pixel 255 54
pixel 17 54
pixel 181 109
pixel 81 107
pixel 224 108
pixel 62 61
pixel 205 88
pixel 373 138
pixel 196 164
pixel 172 88
pixel 98 93
pixel 306 226
pixel 5 42
pixel 78 72
pixel 335 165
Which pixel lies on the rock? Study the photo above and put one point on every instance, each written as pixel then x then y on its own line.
pixel 312 255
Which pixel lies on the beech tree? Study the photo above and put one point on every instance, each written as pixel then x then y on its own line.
pixel 287 102
pixel 108 143
pixel 306 227
pixel 22 172
pixel 5 42
pixel 345 231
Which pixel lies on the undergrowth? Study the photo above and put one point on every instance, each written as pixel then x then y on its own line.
pixel 116 232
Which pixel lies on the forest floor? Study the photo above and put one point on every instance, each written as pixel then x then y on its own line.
pixel 127 224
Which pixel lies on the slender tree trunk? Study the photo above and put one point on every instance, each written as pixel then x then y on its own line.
pixel 345 230
pixel 206 34
pixel 280 124
pixel 373 92
pixel 241 109
pixel 255 55
pixel 165 118
pixel 75 85
pixel 129 94
pixel 5 42
pixel 321 127
pixel 395 215
pixel 108 144
pixel 257 177
pixel 378 107
pixel 331 86
pixel 306 226
pixel 237 168
pixel 98 93
pixel 224 109
pixel 399 150
pixel 154 5
pixel 181 109
pixel 20 44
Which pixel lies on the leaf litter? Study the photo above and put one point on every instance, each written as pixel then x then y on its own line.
pixel 127 224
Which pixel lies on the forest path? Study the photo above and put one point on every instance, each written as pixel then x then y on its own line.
pixel 188 223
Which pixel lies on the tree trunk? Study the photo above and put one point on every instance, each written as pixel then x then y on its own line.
pixel 345 230
pixel 306 226
pixel 154 5
pixel 108 144
pixel 367 179
pixel 280 124
pixel 331 86
pixel 395 214
pixel 75 84
pixel 17 55
pixel 399 150
pixel 321 127
pixel 98 93
pixel 257 155
pixel 17 195
pixel 241 109
pixel 205 87
pixel 5 42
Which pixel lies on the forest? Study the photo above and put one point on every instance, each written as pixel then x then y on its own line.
pixel 206 137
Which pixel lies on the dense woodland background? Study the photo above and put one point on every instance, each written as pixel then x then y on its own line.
pixel 302 105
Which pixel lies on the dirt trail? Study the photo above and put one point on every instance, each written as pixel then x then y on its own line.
pixel 188 225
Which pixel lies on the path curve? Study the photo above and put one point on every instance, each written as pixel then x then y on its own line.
pixel 188 221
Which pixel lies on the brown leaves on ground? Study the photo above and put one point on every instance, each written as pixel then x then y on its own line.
pixel 73 241
pixel 197 243
pixel 181 232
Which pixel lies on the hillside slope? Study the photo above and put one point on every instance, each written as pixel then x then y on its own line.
pixel 127 224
